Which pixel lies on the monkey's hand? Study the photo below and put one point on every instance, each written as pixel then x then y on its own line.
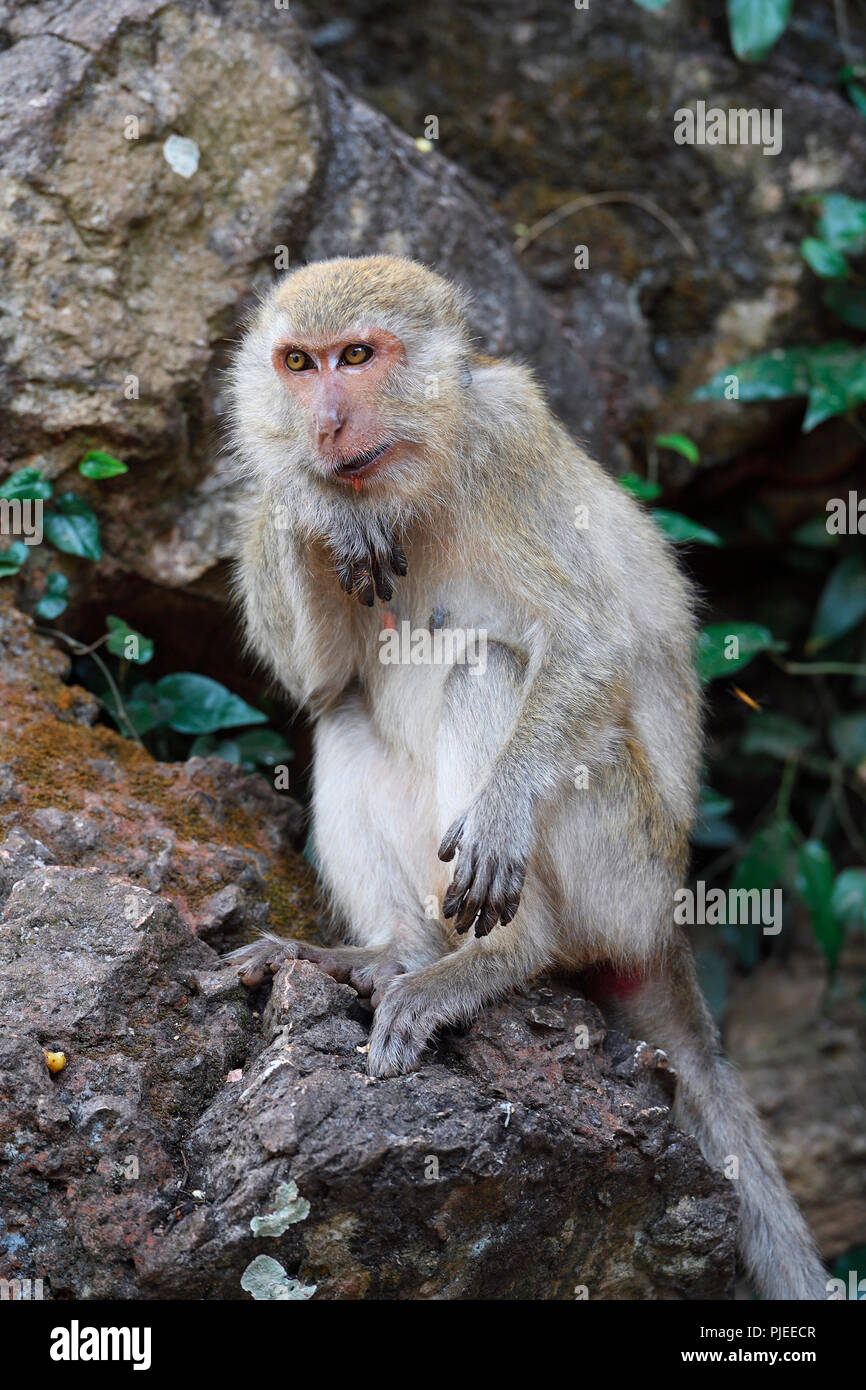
pixel 368 576
pixel 494 851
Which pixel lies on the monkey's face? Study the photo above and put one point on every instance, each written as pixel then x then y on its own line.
pixel 350 388
pixel 347 389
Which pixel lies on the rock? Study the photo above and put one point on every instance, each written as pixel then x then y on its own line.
pixel 127 274
pixel 214 840
pixel 90 1163
pixel 514 1165
pixel 581 101
pixel 802 1057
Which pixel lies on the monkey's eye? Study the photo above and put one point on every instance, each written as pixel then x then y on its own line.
pixel 356 354
pixel 298 361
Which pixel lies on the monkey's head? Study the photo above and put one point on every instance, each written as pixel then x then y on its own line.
pixel 351 377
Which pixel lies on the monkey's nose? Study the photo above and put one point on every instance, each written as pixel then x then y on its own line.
pixel 328 426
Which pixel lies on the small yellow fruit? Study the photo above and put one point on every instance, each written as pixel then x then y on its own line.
pixel 54 1061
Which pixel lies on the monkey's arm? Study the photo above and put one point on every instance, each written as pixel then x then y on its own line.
pixel 296 618
pixel 570 694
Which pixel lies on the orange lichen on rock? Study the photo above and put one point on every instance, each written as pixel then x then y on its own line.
pixel 215 840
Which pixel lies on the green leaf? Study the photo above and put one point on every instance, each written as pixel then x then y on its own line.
pixel 769 862
pixel 815 880
pixel 716 640
pixel 95 464
pixel 264 747
pixel 823 258
pixel 814 534
pixel 200 705
pixel 681 530
pixel 640 487
pixel 770 859
pixel 712 803
pixel 848 737
pixel 13 558
pixel 652 4
pixel 714 977
pixel 837 382
pixel 53 602
pixel 206 746
pixel 73 528
pixel 27 483
pixel 712 830
pixel 848 302
pixel 776 735
pixel 849 898
pixel 857 96
pixel 756 25
pixel 681 444
pixel 761 521
pixel 773 376
pixel 144 707
pixel 833 377
pixel 127 643
pixel 842 221
pixel 842 604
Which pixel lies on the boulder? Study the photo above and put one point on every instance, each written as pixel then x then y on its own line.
pixel 127 270
pixel 186 1124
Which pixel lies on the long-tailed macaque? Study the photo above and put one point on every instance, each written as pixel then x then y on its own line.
pixel 481 812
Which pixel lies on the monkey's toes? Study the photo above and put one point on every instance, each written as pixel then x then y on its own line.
pixel 259 958
pixel 371 982
pixel 399 1036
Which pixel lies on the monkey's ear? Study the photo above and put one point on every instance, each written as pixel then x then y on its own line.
pixel 465 375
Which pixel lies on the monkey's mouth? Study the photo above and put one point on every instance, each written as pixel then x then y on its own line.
pixel 361 464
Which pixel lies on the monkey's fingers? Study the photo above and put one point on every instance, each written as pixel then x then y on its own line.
pixel 451 842
pixel 487 919
pixel 504 898
pixel 399 563
pixel 364 587
pixel 474 902
pixel 460 885
pixel 346 574
pixel 381 579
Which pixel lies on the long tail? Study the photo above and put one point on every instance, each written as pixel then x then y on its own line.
pixel 669 1010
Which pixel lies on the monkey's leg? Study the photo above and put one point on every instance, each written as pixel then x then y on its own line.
pixel 374 841
pixel 477 713
pixel 455 989
pixel 369 971
pixel 373 830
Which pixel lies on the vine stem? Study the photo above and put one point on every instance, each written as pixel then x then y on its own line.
pixel 820 668
pixel 590 200
pixel 81 650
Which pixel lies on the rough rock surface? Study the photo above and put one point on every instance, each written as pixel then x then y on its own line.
pixel 99 234
pixel 534 1154
pixel 517 1164
pixel 581 101
pixel 801 1053
pixel 204 834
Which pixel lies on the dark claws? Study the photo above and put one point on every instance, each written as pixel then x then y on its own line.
pixel 371 578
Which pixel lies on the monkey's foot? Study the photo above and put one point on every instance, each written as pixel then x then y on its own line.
pixel 406 1019
pixel 369 972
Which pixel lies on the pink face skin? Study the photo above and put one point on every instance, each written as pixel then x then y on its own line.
pixel 338 398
